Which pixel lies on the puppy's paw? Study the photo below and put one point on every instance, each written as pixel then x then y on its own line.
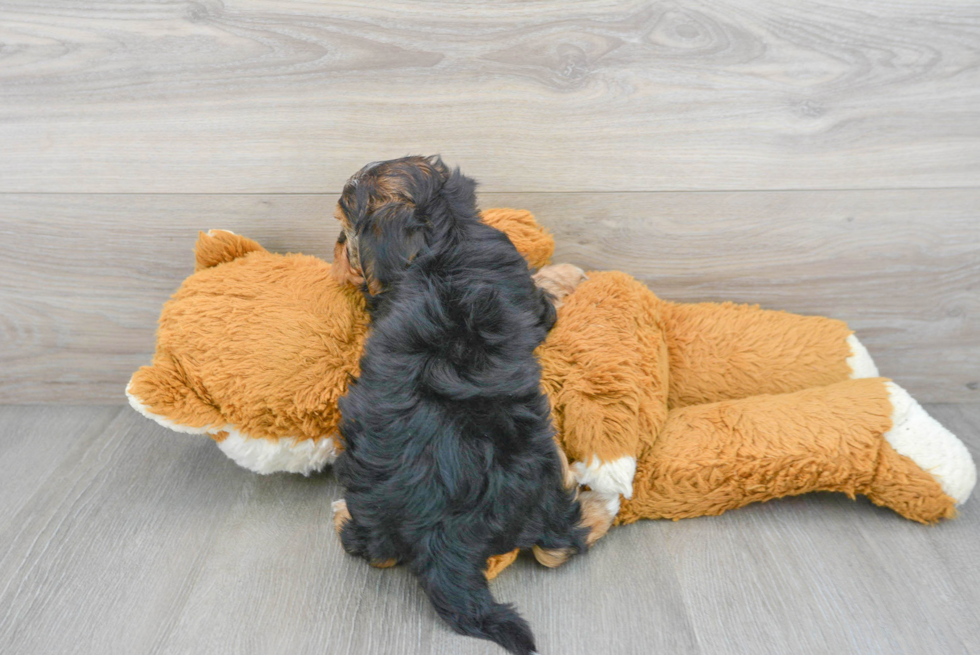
pixel 341 514
pixel 598 513
pixel 559 280
pixel 551 557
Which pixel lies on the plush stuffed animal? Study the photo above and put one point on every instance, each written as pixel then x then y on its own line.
pixel 668 410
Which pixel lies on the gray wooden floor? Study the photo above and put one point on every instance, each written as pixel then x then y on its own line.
pixel 118 536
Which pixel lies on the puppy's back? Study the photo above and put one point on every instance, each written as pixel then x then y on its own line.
pixel 451 456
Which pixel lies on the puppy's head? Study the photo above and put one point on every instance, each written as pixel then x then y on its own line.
pixel 390 211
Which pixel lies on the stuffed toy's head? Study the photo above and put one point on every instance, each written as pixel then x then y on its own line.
pixel 255 348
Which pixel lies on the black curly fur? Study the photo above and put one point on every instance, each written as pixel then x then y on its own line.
pixel 450 453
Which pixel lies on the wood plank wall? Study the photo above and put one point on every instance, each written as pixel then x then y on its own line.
pixel 820 158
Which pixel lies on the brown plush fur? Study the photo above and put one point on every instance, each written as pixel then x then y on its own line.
pixel 711 399
pixel 724 351
pixel 298 337
pixel 220 246
pixel 605 368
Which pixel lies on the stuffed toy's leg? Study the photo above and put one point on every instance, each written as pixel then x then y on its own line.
pixel 723 351
pixel 864 436
pixel 604 366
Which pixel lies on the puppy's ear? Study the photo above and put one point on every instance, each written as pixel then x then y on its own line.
pixel 456 189
pixel 460 190
pixel 388 240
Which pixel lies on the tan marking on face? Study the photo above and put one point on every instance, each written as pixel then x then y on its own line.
pixel 384 564
pixel 341 269
pixel 339 214
pixel 374 286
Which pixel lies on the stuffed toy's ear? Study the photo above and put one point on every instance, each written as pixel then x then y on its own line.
pixel 530 239
pixel 163 392
pixel 219 246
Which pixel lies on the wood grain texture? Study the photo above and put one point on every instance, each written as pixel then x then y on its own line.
pixel 139 540
pixel 85 275
pixel 293 96
pixel 33 444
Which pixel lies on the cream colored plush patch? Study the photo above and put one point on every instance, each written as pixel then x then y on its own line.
pixel 615 477
pixel 138 405
pixel 935 449
pixel 281 455
pixel 862 366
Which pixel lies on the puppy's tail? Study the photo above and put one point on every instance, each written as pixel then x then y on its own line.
pixel 457 587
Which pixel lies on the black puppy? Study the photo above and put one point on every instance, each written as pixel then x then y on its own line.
pixel 450 456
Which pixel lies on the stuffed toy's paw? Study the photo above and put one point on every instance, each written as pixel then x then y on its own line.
pixel 611 479
pixel 559 280
pixel 498 563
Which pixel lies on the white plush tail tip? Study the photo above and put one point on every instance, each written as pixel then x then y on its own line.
pixel 862 366
pixel 926 442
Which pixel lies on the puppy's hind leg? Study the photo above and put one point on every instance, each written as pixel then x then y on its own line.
pixel 563 534
pixel 595 517
pixel 341 514
pixel 353 537
pixel 598 514
pixel 356 539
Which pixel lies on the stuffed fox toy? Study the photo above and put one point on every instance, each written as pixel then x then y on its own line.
pixel 667 410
